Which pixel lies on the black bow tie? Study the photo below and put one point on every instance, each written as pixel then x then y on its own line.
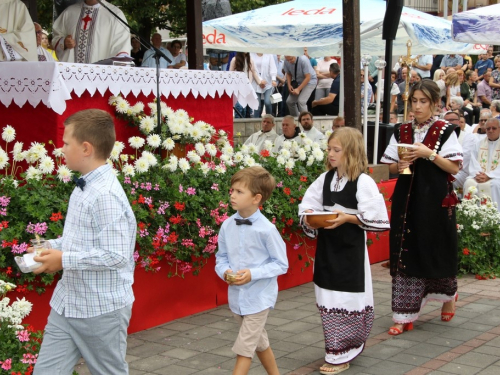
pixel 243 222
pixel 79 182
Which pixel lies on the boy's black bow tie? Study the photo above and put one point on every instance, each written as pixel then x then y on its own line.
pixel 79 182
pixel 242 221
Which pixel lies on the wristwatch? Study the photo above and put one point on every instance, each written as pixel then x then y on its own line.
pixel 432 156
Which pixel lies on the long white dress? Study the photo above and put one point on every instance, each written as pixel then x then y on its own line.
pixel 17 32
pixel 97 33
pixel 347 314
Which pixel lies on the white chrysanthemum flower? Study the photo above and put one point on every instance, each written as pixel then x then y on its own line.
pixel 205 168
pixel 244 149
pixel 4 159
pixel 147 124
pixel 290 163
pixel 286 145
pixel 170 167
pixel 176 127
pixel 238 157
pixel 318 154
pixel 168 144
pixel 141 165
pixel 472 190
pixel 211 149
pixel 128 170
pixel 228 150
pixel 268 145
pixel 166 110
pixel 154 140
pixel 323 144
pixel 307 148
pixel 38 148
pixel 136 142
pixel 328 133
pixel 152 108
pixel 58 153
pixel 22 306
pixel 33 173
pixel 137 108
pixel 226 159
pixel 47 165
pixel 222 133
pixel 220 170
pixel 8 134
pixel 114 155
pixel 285 153
pixel 64 174
pixel 307 141
pixel 253 149
pixel 124 158
pixel 249 161
pixel 200 149
pixel 20 156
pixel 112 100
pixel 18 147
pixel 150 158
pixel 182 114
pixel 122 106
pixel 301 154
pixel 193 156
pixel 184 165
pixel 115 171
pixel 310 161
pixel 195 133
pixel 280 160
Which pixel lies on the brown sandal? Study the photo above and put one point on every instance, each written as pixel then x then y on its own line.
pixel 328 368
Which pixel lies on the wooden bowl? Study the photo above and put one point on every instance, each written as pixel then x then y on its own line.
pixel 319 221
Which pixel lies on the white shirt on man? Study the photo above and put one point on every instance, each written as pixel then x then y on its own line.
pixel 314 134
pixel 260 137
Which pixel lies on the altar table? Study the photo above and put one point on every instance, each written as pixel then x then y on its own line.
pixel 36 98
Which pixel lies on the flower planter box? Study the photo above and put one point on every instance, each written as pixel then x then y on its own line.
pixel 160 299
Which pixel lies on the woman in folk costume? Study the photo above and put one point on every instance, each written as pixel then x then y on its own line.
pixel 342 276
pixel 423 238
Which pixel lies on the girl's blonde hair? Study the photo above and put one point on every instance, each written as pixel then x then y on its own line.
pixel 354 157
pixel 451 79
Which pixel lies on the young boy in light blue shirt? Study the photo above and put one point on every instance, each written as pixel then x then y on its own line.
pixel 251 246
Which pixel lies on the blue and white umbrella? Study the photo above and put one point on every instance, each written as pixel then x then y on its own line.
pixel 480 25
pixel 317 24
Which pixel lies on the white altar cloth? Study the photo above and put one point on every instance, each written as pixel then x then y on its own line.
pixel 53 82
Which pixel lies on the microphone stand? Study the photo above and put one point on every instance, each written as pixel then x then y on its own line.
pixel 157 55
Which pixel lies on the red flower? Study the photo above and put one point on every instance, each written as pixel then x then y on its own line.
pixel 289 171
pixel 175 219
pixel 265 153
pixel 9 270
pixel 5 224
pixel 370 170
pixel 292 200
pixel 141 199
pixel 287 191
pixel 289 222
pixel 56 216
pixel 172 237
pixel 303 178
pixel 465 251
pixel 141 226
pixel 179 206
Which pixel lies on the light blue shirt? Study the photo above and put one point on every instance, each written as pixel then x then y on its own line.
pixel 148 61
pixel 303 67
pixel 98 244
pixel 258 247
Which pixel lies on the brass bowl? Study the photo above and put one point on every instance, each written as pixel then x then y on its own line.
pixel 319 221
pixel 231 276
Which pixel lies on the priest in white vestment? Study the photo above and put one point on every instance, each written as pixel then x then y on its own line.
pixel 484 170
pixel 267 133
pixel 17 33
pixel 307 122
pixel 86 32
pixel 290 133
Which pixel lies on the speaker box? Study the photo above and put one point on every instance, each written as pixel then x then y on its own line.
pixel 391 19
pixel 385 132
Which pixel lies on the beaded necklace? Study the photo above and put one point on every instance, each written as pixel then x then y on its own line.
pixel 423 127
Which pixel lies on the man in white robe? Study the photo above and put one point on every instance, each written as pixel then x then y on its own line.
pixel 267 133
pixel 85 32
pixel 484 170
pixel 307 122
pixel 43 54
pixel 17 33
pixel 290 133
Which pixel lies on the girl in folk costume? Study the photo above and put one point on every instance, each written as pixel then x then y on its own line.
pixel 342 274
pixel 423 238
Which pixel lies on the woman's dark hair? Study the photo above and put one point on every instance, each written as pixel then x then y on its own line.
pixel 240 58
pixel 430 89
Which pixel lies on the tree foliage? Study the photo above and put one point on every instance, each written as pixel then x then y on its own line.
pixel 146 16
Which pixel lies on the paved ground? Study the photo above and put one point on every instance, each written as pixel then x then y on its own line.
pixel 201 344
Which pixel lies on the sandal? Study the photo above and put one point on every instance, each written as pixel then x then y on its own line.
pixel 328 368
pixel 447 316
pixel 394 331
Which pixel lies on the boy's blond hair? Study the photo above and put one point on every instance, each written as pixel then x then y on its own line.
pixel 257 179
pixel 96 127
pixel 354 157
